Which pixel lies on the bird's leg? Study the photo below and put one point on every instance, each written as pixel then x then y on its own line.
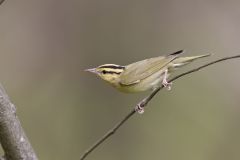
pixel 140 106
pixel 165 82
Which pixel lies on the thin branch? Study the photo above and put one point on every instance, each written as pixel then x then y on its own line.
pixel 12 137
pixel 144 102
pixel 107 135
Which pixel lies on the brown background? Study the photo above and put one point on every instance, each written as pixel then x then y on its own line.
pixel 45 46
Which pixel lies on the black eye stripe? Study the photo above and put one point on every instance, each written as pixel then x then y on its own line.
pixel 110 72
pixel 113 67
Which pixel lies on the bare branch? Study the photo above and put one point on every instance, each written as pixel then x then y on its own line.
pixel 144 102
pixel 107 135
pixel 12 137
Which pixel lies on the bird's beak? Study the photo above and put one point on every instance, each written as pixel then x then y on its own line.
pixel 92 70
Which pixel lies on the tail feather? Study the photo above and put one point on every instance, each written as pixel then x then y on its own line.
pixel 181 61
pixel 177 53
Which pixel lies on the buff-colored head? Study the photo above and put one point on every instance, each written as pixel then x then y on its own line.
pixel 108 72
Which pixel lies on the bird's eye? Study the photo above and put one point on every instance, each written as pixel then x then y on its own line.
pixel 104 72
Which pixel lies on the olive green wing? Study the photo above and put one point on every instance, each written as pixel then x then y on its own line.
pixel 137 71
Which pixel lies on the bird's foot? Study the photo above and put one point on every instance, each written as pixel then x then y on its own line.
pixel 166 84
pixel 139 108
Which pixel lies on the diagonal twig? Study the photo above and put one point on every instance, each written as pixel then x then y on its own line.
pixel 144 102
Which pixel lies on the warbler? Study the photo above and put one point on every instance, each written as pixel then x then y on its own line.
pixel 148 74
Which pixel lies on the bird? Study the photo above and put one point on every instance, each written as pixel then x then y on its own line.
pixel 144 75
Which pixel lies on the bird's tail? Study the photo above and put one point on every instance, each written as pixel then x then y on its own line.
pixel 181 61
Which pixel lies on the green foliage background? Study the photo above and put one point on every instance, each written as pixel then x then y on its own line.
pixel 45 46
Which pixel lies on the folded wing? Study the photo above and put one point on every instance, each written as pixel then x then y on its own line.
pixel 140 70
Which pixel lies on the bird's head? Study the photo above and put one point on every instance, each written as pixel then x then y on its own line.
pixel 108 72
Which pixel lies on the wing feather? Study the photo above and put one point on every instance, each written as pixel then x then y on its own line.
pixel 135 72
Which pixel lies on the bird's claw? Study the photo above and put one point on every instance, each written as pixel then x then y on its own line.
pixel 167 85
pixel 139 108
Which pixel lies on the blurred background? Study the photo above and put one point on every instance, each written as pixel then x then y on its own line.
pixel 45 46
